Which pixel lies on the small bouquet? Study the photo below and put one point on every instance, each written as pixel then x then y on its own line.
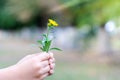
pixel 45 43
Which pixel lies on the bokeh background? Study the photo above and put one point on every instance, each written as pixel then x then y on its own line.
pixel 88 34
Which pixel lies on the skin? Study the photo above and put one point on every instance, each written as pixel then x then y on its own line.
pixel 32 67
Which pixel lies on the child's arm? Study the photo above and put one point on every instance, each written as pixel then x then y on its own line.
pixel 32 67
pixel 9 73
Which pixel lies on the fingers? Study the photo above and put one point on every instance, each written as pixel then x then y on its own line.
pixel 45 63
pixel 52 63
pixel 44 70
pixel 47 68
pixel 43 56
pixel 51 55
pixel 51 72
pixel 44 76
pixel 52 66
pixel 52 60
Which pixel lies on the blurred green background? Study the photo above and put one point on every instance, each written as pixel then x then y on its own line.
pixel 88 34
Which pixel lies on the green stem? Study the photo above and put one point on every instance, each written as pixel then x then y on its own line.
pixel 47 32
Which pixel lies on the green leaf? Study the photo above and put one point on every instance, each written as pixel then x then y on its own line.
pixel 44 35
pixel 56 49
pixel 42 48
pixel 47 44
pixel 43 43
pixel 46 47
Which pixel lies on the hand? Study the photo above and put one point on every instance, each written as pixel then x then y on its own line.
pixel 51 61
pixel 36 66
pixel 31 67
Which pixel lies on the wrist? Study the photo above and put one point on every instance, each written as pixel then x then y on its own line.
pixel 10 73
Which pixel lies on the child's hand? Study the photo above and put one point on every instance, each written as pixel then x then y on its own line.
pixel 36 66
pixel 32 67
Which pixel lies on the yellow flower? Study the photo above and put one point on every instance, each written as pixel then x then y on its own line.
pixel 52 23
pixel 49 24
